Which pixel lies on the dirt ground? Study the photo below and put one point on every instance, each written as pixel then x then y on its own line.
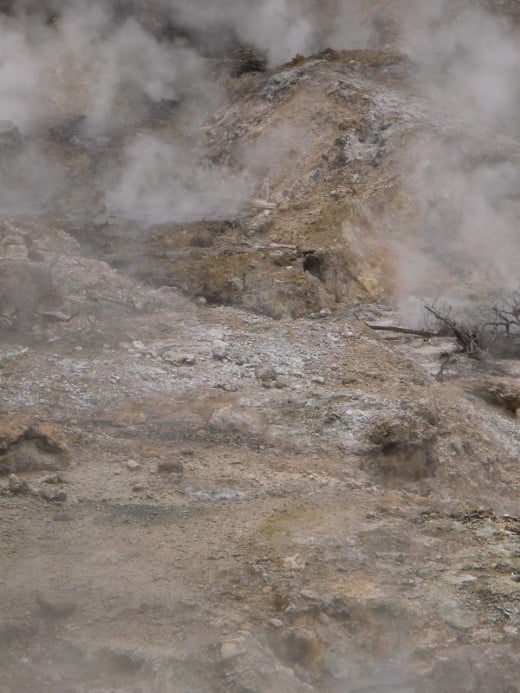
pixel 229 523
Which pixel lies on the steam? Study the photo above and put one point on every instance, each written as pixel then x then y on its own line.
pixel 105 65
pixel 82 64
pixel 161 182
pixel 465 176
pixel 97 69
pixel 280 29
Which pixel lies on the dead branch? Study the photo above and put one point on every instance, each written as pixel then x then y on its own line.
pixel 469 338
pixel 506 317
pixel 404 330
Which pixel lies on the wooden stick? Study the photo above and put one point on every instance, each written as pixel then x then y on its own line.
pixel 404 330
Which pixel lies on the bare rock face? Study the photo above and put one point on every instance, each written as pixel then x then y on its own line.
pixel 33 448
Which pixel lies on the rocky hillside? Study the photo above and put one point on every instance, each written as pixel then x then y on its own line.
pixel 233 456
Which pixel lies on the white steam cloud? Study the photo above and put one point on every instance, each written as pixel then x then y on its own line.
pixel 87 63
pixel 103 65
pixel 161 181
pixel 281 28
pixel 98 67
pixel 464 170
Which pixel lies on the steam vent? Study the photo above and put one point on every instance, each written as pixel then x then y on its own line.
pixel 259 346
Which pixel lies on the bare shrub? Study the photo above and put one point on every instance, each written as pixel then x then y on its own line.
pixel 487 328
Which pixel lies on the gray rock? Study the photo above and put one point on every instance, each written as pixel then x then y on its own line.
pixel 53 495
pixel 178 358
pixel 231 421
pixel 292 563
pixel 219 349
pixel 232 648
pixel 52 479
pixel 17 485
pixel 310 596
pixel 265 374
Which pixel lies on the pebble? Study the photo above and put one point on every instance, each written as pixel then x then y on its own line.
pixel 138 487
pixel 511 630
pixel 232 648
pixel 219 349
pixel 55 478
pixel 291 563
pixel 465 580
pixel 179 359
pixel 310 596
pixel 132 465
pixel 276 623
